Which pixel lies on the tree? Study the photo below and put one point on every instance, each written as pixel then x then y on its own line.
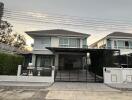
pixel 20 41
pixel 8 37
pixel 5 32
pixel 1 10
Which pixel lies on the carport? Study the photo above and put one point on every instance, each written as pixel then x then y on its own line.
pixel 90 66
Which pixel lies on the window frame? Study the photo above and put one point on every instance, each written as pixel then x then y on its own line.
pixel 68 42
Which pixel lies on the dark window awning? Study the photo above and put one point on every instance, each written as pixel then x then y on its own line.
pixel 79 50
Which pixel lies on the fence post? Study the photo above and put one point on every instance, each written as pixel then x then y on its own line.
pixel 53 73
pixel 19 70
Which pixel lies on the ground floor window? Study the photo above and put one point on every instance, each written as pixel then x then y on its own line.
pixel 43 61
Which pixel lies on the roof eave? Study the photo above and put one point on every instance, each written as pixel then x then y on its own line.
pixel 39 35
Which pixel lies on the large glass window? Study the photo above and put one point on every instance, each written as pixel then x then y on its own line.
pixel 109 44
pixel 126 44
pixel 130 44
pixel 85 43
pixel 69 42
pixel 45 61
pixel 74 42
pixel 121 44
pixel 64 42
pixel 41 43
pixel 115 44
pixel 46 42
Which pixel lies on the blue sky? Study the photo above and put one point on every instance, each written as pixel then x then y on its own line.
pixel 98 9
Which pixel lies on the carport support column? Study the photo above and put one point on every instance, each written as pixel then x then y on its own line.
pixel 56 61
pixel 33 59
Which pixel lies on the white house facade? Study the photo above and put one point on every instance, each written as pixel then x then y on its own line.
pixel 68 52
pixel 116 40
pixel 61 39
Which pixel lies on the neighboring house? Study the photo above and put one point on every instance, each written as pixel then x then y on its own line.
pixel 115 40
pixel 59 48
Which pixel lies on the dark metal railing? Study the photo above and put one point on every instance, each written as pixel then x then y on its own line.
pixel 42 71
pixel 79 75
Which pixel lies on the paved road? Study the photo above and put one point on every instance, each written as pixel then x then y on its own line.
pixel 86 95
pixel 22 94
pixel 67 91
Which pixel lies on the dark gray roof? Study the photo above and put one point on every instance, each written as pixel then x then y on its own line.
pixel 120 34
pixel 79 50
pixel 55 32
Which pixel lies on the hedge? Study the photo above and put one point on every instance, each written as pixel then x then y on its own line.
pixel 9 63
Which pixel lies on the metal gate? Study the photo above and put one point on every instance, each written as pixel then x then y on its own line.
pixel 76 75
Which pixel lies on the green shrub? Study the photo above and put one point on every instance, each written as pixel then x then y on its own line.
pixel 9 63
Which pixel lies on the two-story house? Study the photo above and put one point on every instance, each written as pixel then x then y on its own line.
pixel 69 53
pixel 115 40
pixel 58 47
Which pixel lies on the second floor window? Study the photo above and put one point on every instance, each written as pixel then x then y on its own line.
pixel 41 43
pixel 46 42
pixel 126 44
pixel 121 44
pixel 69 42
pixel 115 44
pixel 84 43
pixel 109 44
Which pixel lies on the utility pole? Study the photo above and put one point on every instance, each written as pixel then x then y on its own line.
pixel 1 10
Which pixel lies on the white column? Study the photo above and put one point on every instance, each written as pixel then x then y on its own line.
pixel 81 43
pixel 33 59
pixel 19 70
pixel 56 61
pixel 112 44
pixel 53 73
pixel 54 42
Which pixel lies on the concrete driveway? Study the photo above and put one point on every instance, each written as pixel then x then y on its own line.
pixel 80 86
pixel 67 91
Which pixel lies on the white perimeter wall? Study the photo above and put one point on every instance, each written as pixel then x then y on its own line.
pixel 19 78
pixel 26 78
pixel 117 75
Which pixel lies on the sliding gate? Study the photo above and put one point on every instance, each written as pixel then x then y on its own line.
pixel 76 75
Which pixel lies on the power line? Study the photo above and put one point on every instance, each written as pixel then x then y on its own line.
pixel 62 20
pixel 83 25
pixel 86 28
pixel 67 17
pixel 86 23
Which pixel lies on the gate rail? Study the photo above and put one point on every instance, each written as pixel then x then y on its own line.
pixel 76 75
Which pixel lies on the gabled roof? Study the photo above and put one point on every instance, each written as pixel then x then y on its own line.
pixel 120 34
pixel 55 32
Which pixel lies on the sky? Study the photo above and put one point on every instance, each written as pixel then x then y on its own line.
pixel 97 9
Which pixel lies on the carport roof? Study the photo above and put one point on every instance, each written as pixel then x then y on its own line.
pixel 78 50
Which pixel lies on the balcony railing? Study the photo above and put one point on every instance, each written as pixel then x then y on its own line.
pixel 66 46
pixel 119 47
